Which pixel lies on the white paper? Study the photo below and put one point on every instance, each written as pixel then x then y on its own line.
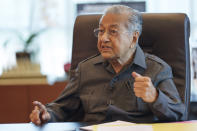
pixel 109 124
pixel 125 128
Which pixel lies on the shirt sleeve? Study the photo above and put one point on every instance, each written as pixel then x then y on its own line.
pixel 168 106
pixel 67 107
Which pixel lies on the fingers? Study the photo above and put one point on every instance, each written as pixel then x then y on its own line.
pixel 144 88
pixel 45 117
pixel 139 78
pixel 141 84
pixel 35 116
pixel 40 106
pixel 139 93
pixel 135 75
pixel 39 115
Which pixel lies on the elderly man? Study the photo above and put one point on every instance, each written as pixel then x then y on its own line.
pixel 120 83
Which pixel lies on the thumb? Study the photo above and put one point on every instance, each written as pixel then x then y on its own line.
pixel 135 75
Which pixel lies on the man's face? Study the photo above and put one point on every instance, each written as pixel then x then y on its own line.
pixel 114 40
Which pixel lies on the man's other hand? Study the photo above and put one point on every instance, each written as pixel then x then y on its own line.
pixel 144 88
pixel 39 115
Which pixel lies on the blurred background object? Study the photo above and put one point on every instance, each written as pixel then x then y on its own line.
pixel 44 28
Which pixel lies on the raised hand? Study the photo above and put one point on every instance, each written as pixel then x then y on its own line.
pixel 144 88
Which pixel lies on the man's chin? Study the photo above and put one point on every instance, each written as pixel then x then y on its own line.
pixel 107 56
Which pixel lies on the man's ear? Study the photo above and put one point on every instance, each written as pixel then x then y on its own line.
pixel 135 36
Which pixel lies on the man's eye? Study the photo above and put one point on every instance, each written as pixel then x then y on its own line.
pixel 101 31
pixel 113 32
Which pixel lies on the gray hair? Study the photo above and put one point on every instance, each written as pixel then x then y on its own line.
pixel 134 17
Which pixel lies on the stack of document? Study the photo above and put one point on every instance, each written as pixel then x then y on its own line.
pixel 128 126
pixel 118 126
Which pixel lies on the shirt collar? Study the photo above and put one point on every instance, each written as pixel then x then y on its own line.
pixel 139 58
pixel 99 59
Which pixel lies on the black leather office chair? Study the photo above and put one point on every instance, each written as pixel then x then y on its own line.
pixel 165 35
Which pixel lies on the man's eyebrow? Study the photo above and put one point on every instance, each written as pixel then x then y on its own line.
pixel 113 25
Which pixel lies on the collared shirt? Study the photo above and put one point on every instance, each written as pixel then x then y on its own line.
pixel 96 93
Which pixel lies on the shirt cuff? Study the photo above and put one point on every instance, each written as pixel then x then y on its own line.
pixel 161 102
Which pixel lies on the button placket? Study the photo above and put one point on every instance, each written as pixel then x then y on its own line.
pixel 110 92
pixel 129 85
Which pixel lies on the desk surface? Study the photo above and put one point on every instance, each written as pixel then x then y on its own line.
pixel 74 126
pixel 66 126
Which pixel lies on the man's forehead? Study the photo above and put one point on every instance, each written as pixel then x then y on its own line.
pixel 113 20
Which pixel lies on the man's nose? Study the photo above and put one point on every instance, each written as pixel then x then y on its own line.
pixel 105 38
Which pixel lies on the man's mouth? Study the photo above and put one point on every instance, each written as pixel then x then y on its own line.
pixel 105 47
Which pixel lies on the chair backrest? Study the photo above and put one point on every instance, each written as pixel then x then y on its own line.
pixel 165 35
